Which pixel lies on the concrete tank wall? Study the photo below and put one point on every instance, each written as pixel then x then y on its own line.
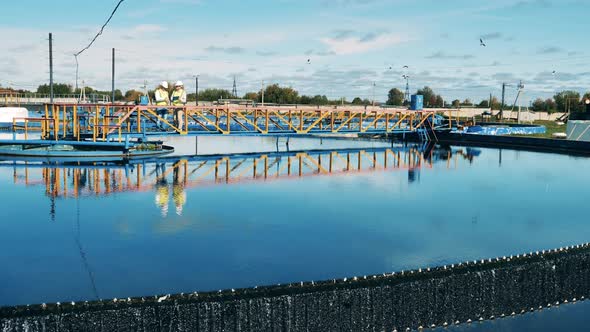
pixel 469 291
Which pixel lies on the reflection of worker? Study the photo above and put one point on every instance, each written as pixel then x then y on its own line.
pixel 179 99
pixel 411 175
pixel 178 193
pixel 162 99
pixel 83 178
pixel 162 190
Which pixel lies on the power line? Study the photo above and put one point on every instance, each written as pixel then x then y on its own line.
pixel 95 37
pixel 101 29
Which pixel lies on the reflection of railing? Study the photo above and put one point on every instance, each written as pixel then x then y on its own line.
pixel 100 122
pixel 26 125
pixel 171 176
pixel 189 172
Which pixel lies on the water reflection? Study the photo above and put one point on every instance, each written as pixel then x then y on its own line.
pixel 171 177
pixel 243 219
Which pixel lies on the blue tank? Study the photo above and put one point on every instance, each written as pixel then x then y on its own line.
pixel 417 103
pixel 144 100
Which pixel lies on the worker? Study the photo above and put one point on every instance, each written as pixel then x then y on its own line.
pixel 179 99
pixel 162 99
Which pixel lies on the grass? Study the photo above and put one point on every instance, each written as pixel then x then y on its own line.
pixel 552 127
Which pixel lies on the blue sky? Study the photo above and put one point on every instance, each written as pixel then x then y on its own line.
pixel 350 44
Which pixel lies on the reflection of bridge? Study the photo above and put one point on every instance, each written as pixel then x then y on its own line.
pixel 101 122
pixel 75 180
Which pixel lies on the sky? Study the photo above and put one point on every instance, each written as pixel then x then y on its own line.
pixel 338 48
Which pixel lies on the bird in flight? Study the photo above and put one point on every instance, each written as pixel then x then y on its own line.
pixel 405 66
pixel 553 73
pixel 481 43
pixel 308 61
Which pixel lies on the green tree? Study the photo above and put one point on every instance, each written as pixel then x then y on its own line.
pixel 252 96
pixel 539 105
pixel 567 100
pixel 584 99
pixel 496 103
pixel 319 100
pixel 456 103
pixel 357 101
pixel 275 94
pixel 305 100
pixel 550 105
pixel 58 89
pixel 132 95
pixel 395 97
pixel 439 102
pixel 427 94
pixel 214 94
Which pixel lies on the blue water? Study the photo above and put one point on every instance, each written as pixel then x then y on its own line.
pixel 182 225
pixel 571 317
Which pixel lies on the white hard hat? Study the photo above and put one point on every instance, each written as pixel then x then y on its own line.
pixel 164 84
pixel 179 83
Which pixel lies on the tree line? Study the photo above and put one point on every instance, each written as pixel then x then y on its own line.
pixel 564 101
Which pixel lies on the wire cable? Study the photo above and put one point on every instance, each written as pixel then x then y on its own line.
pixel 101 29
pixel 95 37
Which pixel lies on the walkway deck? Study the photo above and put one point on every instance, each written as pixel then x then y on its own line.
pixel 104 122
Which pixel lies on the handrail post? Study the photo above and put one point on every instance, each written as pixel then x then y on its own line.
pixel 138 120
pixel 186 119
pixel 74 120
pixel 65 118
pixel 55 122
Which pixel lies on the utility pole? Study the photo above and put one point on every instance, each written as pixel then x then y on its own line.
pixel 520 89
pixel 196 90
pixel 50 68
pixel 407 93
pixel 83 92
pixel 262 92
pixel 502 105
pixel 373 102
pixel 113 80
pixel 234 90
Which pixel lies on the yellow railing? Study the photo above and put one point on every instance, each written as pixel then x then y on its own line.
pixel 102 121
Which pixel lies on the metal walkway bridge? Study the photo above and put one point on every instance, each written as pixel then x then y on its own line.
pixel 113 122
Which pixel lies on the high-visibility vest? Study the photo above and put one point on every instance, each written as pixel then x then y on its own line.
pixel 162 98
pixel 178 194
pixel 178 97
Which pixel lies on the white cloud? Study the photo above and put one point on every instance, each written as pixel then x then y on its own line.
pixel 148 28
pixel 182 2
pixel 352 45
